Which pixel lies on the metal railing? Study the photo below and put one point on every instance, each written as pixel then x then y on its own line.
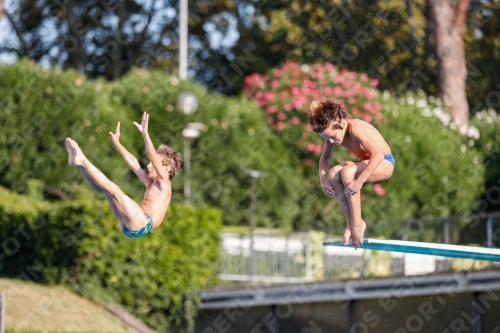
pixel 275 259
pixel 288 258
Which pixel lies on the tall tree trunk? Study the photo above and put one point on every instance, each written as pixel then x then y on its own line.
pixel 2 10
pixel 449 17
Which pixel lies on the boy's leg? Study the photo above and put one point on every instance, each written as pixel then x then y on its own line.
pixel 335 179
pixel 71 156
pixel 126 210
pixel 351 172
pixel 358 226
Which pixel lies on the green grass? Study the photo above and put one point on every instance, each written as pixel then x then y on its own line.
pixel 33 308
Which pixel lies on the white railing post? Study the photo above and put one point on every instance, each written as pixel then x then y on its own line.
pixel 2 313
pixel 308 261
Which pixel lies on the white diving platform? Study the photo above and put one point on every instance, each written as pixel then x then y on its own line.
pixel 442 250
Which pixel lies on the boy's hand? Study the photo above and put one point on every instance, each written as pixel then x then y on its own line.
pixel 143 127
pixel 116 136
pixel 327 188
pixel 352 188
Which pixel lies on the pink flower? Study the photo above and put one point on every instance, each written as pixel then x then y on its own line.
pixel 278 73
pixel 268 96
pixel 284 94
pixel 281 116
pixel 270 120
pixel 337 91
pixel 311 146
pixel 374 82
pixel 367 117
pixel 378 116
pixel 379 189
pixel 280 125
pixel 368 107
pixel 364 77
pixel 318 149
pixel 295 91
pixel 274 84
pixel 295 121
pixel 288 107
pixel 272 109
pixel 308 162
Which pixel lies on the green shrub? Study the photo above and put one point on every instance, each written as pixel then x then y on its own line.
pixel 39 108
pixel 236 138
pixel 433 176
pixel 488 124
pixel 78 243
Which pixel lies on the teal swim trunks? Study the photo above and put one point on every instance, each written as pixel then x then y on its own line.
pixel 141 232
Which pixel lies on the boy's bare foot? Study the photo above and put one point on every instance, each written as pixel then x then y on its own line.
pixel 75 154
pixel 358 233
pixel 347 233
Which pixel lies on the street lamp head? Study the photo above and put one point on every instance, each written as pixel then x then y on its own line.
pixel 188 103
pixel 190 133
pixel 255 173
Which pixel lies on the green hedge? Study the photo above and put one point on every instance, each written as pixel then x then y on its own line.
pixel 34 124
pixel 433 176
pixel 78 243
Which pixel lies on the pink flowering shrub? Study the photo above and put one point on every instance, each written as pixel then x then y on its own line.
pixel 285 94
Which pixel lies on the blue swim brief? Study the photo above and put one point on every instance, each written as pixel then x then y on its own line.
pixel 390 158
pixel 141 232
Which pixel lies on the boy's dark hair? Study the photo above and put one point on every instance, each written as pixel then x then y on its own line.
pixel 325 112
pixel 171 158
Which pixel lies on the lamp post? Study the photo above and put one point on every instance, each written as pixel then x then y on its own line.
pixel 183 39
pixel 191 132
pixel 253 213
pixel 188 103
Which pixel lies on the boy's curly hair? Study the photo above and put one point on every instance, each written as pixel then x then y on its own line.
pixel 170 157
pixel 325 112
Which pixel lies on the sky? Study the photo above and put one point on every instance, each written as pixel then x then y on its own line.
pixel 215 38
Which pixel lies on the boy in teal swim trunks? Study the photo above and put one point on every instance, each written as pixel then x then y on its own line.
pixel 135 220
pixel 345 180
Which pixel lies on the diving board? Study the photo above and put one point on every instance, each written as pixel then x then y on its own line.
pixel 443 250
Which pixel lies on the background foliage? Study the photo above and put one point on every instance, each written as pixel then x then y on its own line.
pixel 78 243
pixel 430 180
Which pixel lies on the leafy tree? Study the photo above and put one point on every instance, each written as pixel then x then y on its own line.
pixel 103 38
pixel 482 54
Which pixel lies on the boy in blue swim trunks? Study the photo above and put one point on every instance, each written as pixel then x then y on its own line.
pixel 344 181
pixel 135 220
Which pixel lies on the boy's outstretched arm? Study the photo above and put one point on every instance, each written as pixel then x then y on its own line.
pixel 131 160
pixel 324 166
pixel 150 148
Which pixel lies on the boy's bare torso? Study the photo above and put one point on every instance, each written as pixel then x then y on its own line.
pixel 353 143
pixel 156 200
